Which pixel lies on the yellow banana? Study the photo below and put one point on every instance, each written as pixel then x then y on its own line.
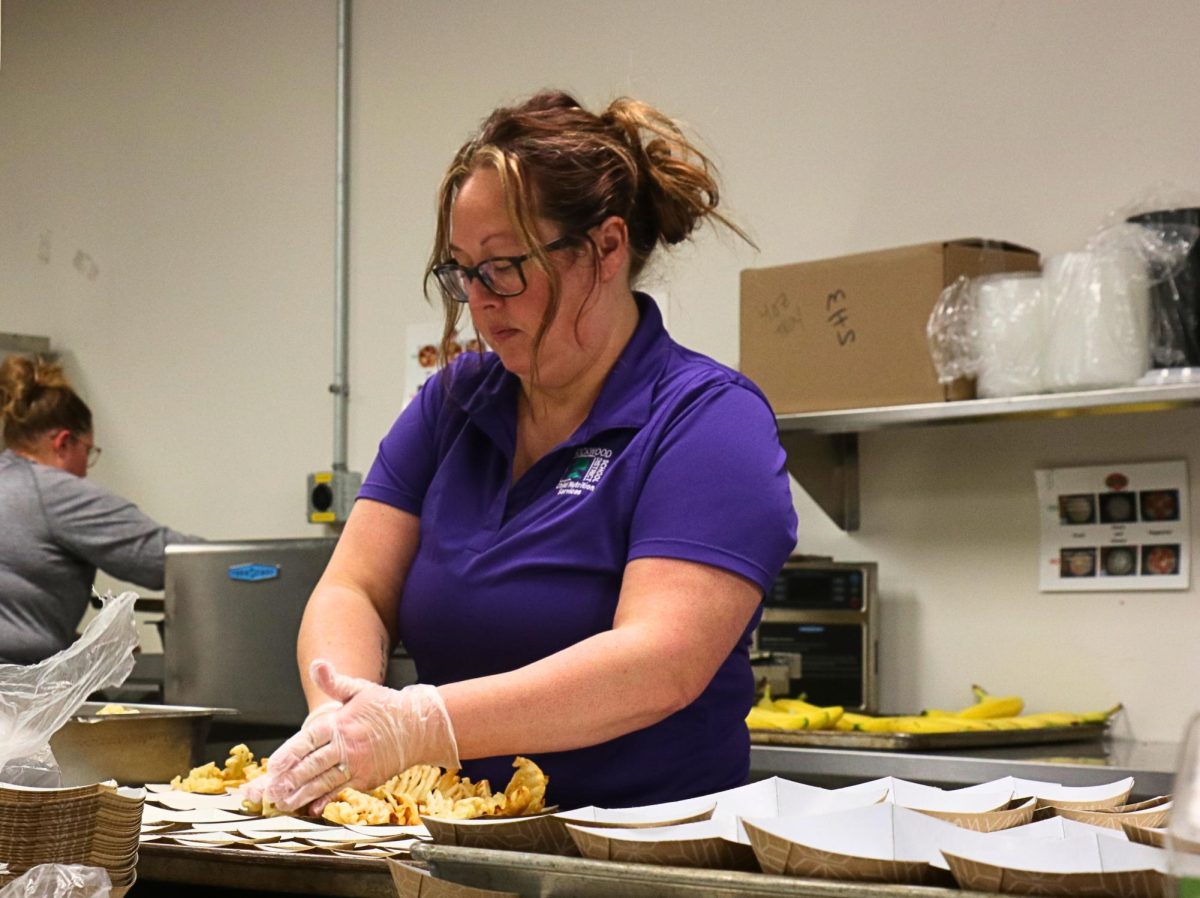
pixel 851 722
pixel 938 712
pixel 815 717
pixel 994 706
pixel 765 701
pixel 797 705
pixel 764 719
pixel 1101 716
pixel 988 706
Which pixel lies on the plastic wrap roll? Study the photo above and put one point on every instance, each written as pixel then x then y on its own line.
pixel 1012 321
pixel 1099 320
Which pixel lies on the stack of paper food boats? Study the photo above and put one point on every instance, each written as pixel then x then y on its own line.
pixel 96 826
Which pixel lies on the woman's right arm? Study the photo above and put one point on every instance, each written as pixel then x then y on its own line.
pixel 351 617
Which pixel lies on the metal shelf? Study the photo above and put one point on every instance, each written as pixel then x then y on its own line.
pixel 23 343
pixel 822 447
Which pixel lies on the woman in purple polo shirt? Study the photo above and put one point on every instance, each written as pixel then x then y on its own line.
pixel 571 533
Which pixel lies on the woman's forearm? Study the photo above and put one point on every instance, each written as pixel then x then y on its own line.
pixel 343 627
pixel 350 618
pixel 608 685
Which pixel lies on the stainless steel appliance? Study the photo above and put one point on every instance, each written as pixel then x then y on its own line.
pixel 819 620
pixel 232 611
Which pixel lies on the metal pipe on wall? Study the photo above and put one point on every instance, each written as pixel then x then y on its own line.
pixel 341 304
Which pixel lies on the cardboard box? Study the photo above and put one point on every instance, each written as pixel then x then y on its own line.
pixel 850 332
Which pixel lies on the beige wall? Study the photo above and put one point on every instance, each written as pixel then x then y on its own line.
pixel 186 149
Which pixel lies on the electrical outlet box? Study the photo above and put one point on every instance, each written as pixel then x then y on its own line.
pixel 331 495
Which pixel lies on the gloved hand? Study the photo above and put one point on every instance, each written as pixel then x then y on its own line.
pixel 377 733
pixel 251 793
pixel 323 708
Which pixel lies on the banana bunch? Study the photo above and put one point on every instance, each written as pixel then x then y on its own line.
pixel 791 714
pixel 989 712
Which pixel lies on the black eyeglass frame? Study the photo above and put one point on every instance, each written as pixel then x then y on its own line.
pixel 450 289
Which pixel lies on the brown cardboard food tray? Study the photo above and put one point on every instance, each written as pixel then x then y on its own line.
pixel 413 883
pixel 979 876
pixel 540 833
pixel 1018 813
pixel 534 874
pixel 918 741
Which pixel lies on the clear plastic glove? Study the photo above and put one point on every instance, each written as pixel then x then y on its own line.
pixel 319 710
pixel 377 733
pixel 251 793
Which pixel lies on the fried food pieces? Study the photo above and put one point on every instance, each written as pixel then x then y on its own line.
pixel 425 789
pixel 116 709
pixel 208 779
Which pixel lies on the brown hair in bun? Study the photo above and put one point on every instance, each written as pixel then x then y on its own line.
pixel 35 397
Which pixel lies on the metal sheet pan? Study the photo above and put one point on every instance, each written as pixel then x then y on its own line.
pixel 543 876
pixel 917 741
pixel 151 746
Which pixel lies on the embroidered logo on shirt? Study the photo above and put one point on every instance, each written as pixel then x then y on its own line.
pixel 584 471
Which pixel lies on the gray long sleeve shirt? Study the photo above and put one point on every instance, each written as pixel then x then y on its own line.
pixel 56 529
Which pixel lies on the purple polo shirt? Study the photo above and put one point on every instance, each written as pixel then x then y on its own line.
pixel 679 458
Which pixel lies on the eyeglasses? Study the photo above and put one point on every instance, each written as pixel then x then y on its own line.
pixel 502 275
pixel 93 451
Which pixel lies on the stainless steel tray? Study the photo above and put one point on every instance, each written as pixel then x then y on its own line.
pixel 917 741
pixel 544 875
pixel 151 746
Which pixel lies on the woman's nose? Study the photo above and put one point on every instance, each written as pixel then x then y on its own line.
pixel 479 296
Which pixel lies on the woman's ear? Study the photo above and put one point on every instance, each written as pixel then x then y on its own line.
pixel 611 238
pixel 61 440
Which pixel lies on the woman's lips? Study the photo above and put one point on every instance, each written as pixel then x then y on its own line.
pixel 502 335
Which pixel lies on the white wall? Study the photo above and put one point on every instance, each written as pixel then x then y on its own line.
pixel 187 149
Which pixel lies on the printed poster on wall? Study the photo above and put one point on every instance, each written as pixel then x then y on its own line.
pixel 1114 527
pixel 421 349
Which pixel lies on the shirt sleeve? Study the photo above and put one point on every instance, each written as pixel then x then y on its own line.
pixel 717 490
pixel 106 530
pixel 407 456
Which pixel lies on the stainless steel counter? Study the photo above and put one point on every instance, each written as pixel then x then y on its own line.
pixel 1151 764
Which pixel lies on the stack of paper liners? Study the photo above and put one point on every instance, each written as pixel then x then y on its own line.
pixel 96 826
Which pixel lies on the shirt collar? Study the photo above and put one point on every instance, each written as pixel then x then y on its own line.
pixel 628 391
pixel 624 400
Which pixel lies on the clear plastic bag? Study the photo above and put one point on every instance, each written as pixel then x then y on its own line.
pixel 1099 312
pixel 1171 218
pixel 59 881
pixel 992 329
pixel 37 699
pixel 952 332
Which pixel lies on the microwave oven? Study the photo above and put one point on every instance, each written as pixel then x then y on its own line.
pixel 819 623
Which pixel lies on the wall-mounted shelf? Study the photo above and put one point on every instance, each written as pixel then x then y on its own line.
pixel 822 447
pixel 23 343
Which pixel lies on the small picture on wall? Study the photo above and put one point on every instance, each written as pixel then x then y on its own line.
pixel 1160 505
pixel 1077 509
pixel 1160 561
pixel 1115 527
pixel 1117 508
pixel 1118 561
pixel 1078 562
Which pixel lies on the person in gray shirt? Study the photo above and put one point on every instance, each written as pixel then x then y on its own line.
pixel 57 527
